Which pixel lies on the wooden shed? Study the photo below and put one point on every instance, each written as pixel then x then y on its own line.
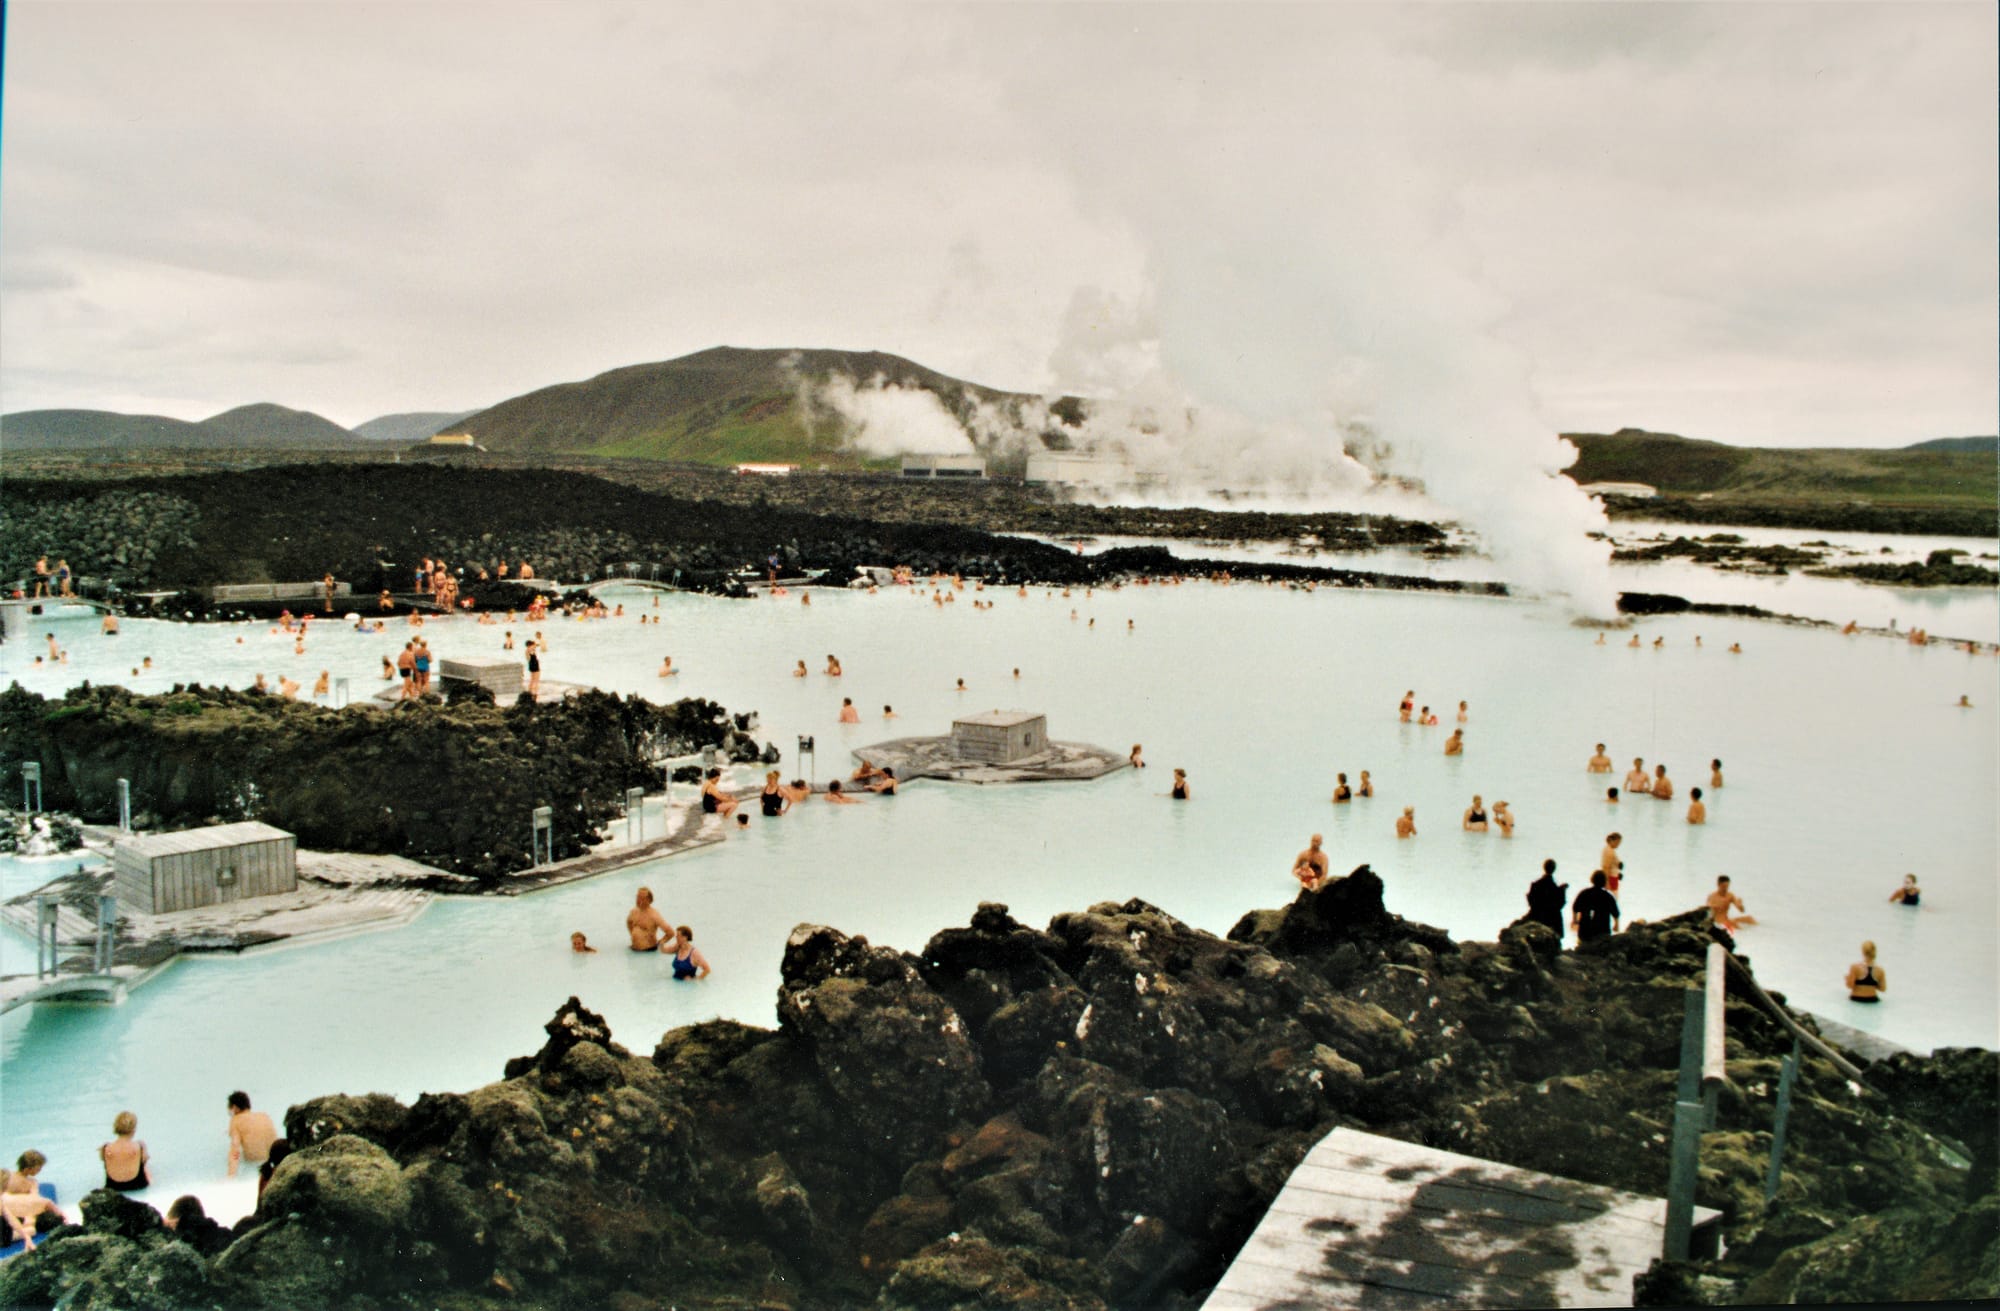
pixel 1000 736
pixel 164 872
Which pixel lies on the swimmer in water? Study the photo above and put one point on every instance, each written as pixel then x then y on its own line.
pixel 1736 648
pixel 1017 672
pixel 1599 641
pixel 833 666
pixel 1964 702
pixel 1611 796
pixel 1180 791
pixel 1409 700
pixel 1659 642
pixel 667 669
pixel 1608 862
pixel 1463 714
pixel 1365 788
pixel 1475 816
pixel 1663 787
pixel 1715 773
pixel 1909 894
pixel 800 670
pixel 848 714
pixel 1341 792
pixel 1721 902
pixel 1599 763
pixel 1426 718
pixel 960 687
pixel 1406 823
pixel 1504 817
pixel 1634 643
pixel 1455 744
pixel 647 927
pixel 1865 980
pixel 888 712
pixel 1309 867
pixel 1637 781
pixel 837 797
pixel 1697 812
pixel 1136 759
pixel 581 945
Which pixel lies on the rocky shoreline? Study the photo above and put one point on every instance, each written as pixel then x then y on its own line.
pixel 1088 1116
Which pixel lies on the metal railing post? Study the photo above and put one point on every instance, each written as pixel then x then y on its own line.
pixel 1684 1157
pixel 46 911
pixel 125 805
pixel 107 931
pixel 31 780
pixel 635 814
pixel 1778 1119
pixel 542 837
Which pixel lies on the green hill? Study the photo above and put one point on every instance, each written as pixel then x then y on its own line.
pixel 1930 474
pixel 42 430
pixel 412 426
pixel 716 406
pixel 260 426
pixel 1956 444
pixel 265 424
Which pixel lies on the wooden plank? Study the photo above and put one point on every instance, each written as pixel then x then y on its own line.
pixel 1356 1206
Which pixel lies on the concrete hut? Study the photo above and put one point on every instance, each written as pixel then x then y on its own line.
pixel 163 872
pixel 999 746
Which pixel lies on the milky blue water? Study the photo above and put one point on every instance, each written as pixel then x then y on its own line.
pixel 1847 762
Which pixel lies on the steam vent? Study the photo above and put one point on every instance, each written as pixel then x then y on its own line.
pixel 999 746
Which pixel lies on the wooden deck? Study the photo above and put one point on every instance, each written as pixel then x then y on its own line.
pixel 1373 1222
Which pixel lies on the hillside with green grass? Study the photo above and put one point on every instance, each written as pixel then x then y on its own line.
pixel 716 406
pixel 261 426
pixel 1957 473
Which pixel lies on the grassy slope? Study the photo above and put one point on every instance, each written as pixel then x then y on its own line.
pixel 1682 466
pixel 713 407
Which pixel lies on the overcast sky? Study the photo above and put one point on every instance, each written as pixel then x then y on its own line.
pixel 1756 223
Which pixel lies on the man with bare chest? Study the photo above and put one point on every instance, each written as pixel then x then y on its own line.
pixel 649 928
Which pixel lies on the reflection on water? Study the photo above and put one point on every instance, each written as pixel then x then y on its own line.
pixel 1847 765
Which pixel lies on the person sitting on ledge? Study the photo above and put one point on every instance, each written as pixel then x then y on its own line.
pixel 866 772
pixel 714 801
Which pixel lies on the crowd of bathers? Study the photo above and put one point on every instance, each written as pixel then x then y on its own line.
pixel 30 1206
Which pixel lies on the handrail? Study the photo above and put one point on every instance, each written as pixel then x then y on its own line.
pixel 1714 1067
pixel 1810 1039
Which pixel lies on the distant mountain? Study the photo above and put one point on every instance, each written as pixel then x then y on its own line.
pixel 1949 471
pixel 40 430
pixel 265 424
pixel 716 406
pixel 417 426
pixel 261 426
pixel 1956 444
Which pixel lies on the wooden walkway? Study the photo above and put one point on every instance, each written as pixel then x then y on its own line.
pixel 1373 1222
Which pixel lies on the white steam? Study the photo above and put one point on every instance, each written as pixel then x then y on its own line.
pixel 882 419
pixel 1312 288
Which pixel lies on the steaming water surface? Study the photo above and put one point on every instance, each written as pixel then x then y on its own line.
pixel 1847 762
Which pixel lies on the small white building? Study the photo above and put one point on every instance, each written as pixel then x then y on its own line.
pixel 999 737
pixel 1643 490
pixel 162 872
pixel 944 466
pixel 767 470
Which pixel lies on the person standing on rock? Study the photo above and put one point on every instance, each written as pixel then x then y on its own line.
pixel 251 1133
pixel 1594 913
pixel 1546 899
pixel 534 671
pixel 648 928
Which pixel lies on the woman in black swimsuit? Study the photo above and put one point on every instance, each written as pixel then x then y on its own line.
pixel 1909 894
pixel 1180 792
pixel 772 798
pixel 1475 815
pixel 1864 981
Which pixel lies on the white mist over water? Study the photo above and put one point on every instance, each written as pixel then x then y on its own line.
pixel 1314 314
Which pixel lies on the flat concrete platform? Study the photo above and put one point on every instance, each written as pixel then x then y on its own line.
pixel 1367 1221
pixel 932 757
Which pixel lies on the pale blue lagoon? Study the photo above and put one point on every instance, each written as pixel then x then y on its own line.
pixel 1848 763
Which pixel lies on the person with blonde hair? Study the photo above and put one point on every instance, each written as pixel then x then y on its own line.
pixel 127 1167
pixel 1865 980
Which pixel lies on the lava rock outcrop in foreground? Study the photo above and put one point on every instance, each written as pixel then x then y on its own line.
pixel 1089 1115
